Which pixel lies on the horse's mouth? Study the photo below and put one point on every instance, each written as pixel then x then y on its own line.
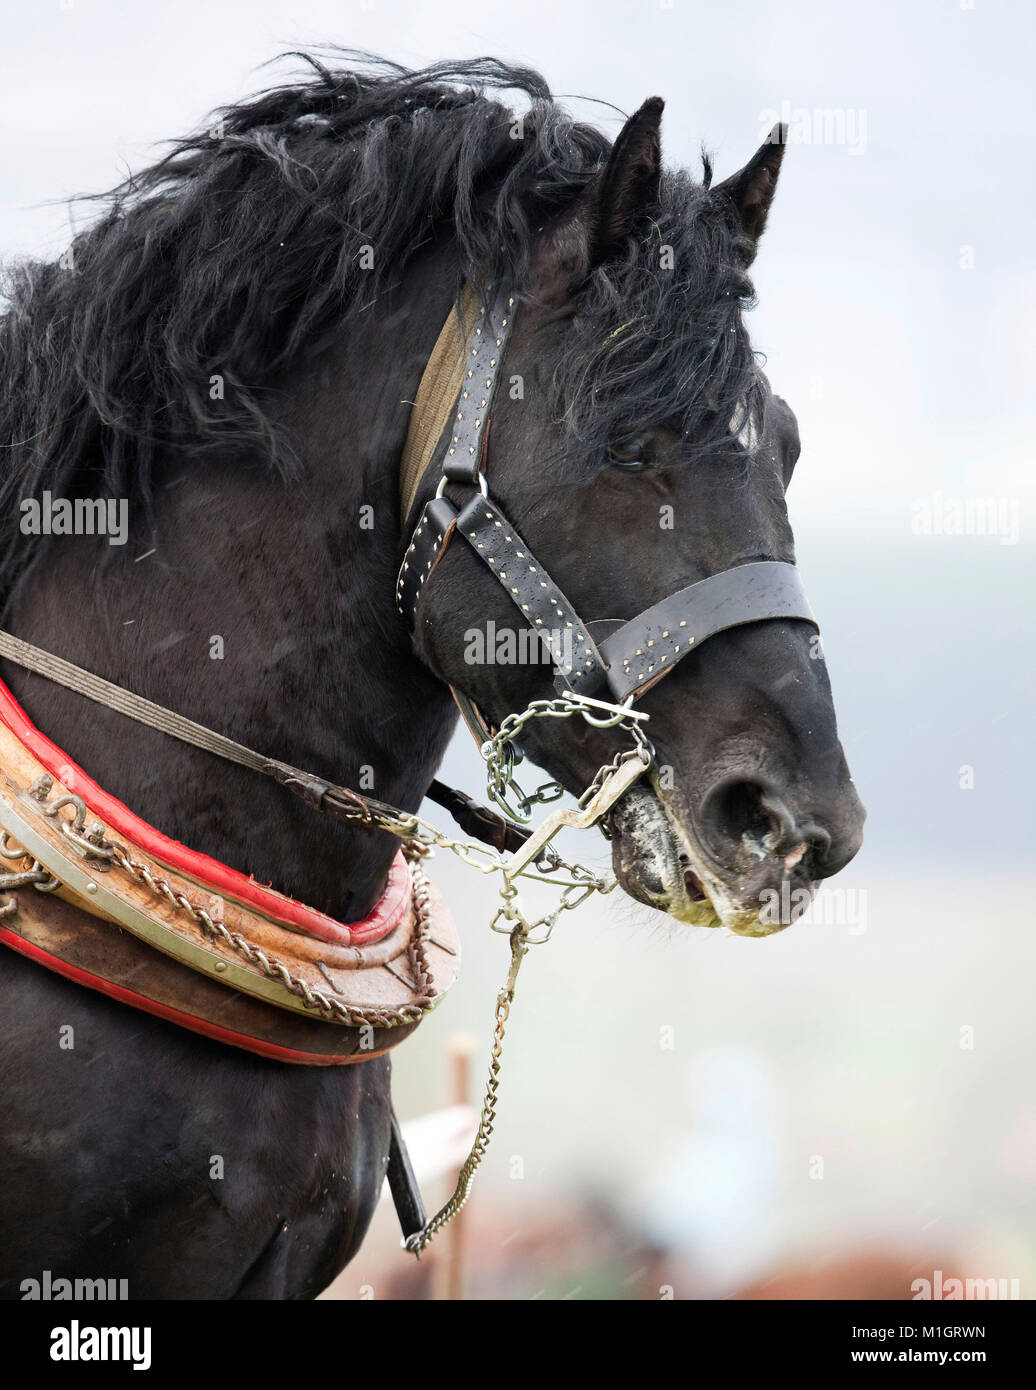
pixel 658 861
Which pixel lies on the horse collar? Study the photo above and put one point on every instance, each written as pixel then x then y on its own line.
pixel 234 960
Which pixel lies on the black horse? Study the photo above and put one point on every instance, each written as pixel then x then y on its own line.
pixel 233 347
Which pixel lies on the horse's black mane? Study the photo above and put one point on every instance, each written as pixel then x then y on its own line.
pixel 241 250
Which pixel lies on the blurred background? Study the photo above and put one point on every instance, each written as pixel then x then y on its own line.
pixel 847 1107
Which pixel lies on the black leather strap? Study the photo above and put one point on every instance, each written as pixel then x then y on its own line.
pixel 480 821
pixel 652 643
pixel 639 652
pixel 431 537
pixel 406 1195
pixel 464 456
pixel 577 662
pixel 464 459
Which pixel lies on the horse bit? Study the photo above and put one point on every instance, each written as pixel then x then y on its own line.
pixel 598 673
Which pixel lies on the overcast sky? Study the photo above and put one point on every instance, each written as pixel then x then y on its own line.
pixel 894 287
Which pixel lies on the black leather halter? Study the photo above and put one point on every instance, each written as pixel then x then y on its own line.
pixel 623 664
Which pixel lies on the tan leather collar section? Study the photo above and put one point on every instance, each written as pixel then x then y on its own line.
pixel 387 985
pixel 437 394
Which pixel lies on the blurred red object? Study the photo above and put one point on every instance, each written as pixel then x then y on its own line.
pixel 875 1275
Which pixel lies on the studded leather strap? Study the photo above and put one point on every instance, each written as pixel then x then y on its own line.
pixel 464 459
pixel 465 455
pixel 427 545
pixel 650 645
pixel 495 541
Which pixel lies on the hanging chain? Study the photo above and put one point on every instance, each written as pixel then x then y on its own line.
pixel 420 1240
pixel 583 882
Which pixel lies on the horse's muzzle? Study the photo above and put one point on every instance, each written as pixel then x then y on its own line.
pixel 745 862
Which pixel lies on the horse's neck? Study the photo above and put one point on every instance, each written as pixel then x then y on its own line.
pixel 265 611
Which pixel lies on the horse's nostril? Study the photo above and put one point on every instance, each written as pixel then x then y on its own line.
pixel 818 846
pixel 743 811
pixel 747 813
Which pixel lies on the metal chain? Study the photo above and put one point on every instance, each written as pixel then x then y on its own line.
pixel 95 846
pixel 501 754
pixel 36 875
pixel 317 999
pixel 644 750
pixel 498 753
pixel 419 1241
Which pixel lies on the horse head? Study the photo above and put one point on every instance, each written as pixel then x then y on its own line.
pixel 636 449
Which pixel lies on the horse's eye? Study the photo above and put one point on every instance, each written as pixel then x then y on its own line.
pixel 631 453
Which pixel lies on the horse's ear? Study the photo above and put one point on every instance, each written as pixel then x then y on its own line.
pixel 627 188
pixel 751 191
pixel 606 214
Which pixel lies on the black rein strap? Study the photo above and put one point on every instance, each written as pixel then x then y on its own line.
pixel 338 802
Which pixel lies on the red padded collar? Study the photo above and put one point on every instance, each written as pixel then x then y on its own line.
pixel 218 878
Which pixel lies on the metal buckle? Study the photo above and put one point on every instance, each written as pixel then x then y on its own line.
pixel 611 711
pixel 482 485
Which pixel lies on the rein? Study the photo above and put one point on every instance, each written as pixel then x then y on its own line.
pixel 338 802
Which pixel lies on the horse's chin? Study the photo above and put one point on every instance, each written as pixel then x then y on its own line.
pixel 657 861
